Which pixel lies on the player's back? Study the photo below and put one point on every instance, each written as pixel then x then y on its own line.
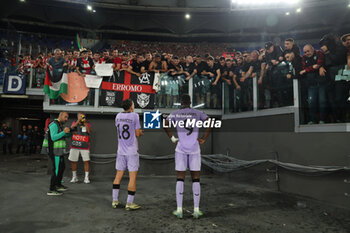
pixel 126 124
pixel 188 131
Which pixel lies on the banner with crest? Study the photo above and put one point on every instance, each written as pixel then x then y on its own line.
pixel 123 85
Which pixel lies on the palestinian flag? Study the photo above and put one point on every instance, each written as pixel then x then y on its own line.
pixel 55 84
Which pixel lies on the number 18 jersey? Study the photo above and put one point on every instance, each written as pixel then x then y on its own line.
pixel 126 124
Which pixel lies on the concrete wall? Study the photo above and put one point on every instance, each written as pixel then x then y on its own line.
pixel 248 139
pixel 261 138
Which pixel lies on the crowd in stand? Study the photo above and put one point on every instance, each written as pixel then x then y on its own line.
pixel 324 86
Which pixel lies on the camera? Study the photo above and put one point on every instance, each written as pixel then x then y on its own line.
pixel 83 119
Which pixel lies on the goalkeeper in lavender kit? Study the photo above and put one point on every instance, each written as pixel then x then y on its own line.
pixel 187 152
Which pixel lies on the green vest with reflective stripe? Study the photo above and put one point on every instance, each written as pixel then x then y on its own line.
pixel 58 147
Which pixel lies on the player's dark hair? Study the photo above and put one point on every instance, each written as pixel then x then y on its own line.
pixel 185 100
pixel 126 104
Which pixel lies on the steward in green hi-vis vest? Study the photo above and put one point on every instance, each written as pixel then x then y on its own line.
pixel 57 145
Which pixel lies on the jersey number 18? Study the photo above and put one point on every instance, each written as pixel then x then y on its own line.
pixel 125 134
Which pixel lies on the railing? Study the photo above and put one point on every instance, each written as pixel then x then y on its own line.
pixel 167 99
pixel 34 79
pixel 293 97
pixel 254 99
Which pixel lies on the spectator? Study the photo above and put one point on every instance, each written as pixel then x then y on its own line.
pixel 57 63
pixel 116 60
pixel 37 139
pixel 84 64
pixel 106 58
pixel 264 84
pixel 39 71
pixel 346 42
pixel 125 62
pixel 29 142
pixel 227 78
pixel 22 140
pixel 48 57
pixel 242 95
pixel 76 54
pixel 277 70
pixel 135 67
pixel 96 58
pixel 175 70
pixel 200 90
pixel 290 46
pixel 294 63
pixel 188 68
pixel 6 135
pixel 71 61
pixel 90 54
pixel 315 76
pixel 212 85
pixel 146 63
pixel 159 66
pixel 335 54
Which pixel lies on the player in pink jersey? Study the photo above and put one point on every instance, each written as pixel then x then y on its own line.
pixel 128 128
pixel 187 152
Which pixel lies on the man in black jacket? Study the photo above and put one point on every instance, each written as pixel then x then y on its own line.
pixel 277 70
pixel 290 46
pixel 335 54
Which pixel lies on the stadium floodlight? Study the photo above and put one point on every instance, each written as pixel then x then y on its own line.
pixel 187 16
pixel 298 10
pixel 287 13
pixel 264 2
pixel 89 7
pixel 94 11
pixel 22 0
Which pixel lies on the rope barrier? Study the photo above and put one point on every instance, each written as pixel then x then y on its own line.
pixel 224 163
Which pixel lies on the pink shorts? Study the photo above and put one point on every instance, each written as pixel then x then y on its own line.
pixel 127 162
pixel 183 161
